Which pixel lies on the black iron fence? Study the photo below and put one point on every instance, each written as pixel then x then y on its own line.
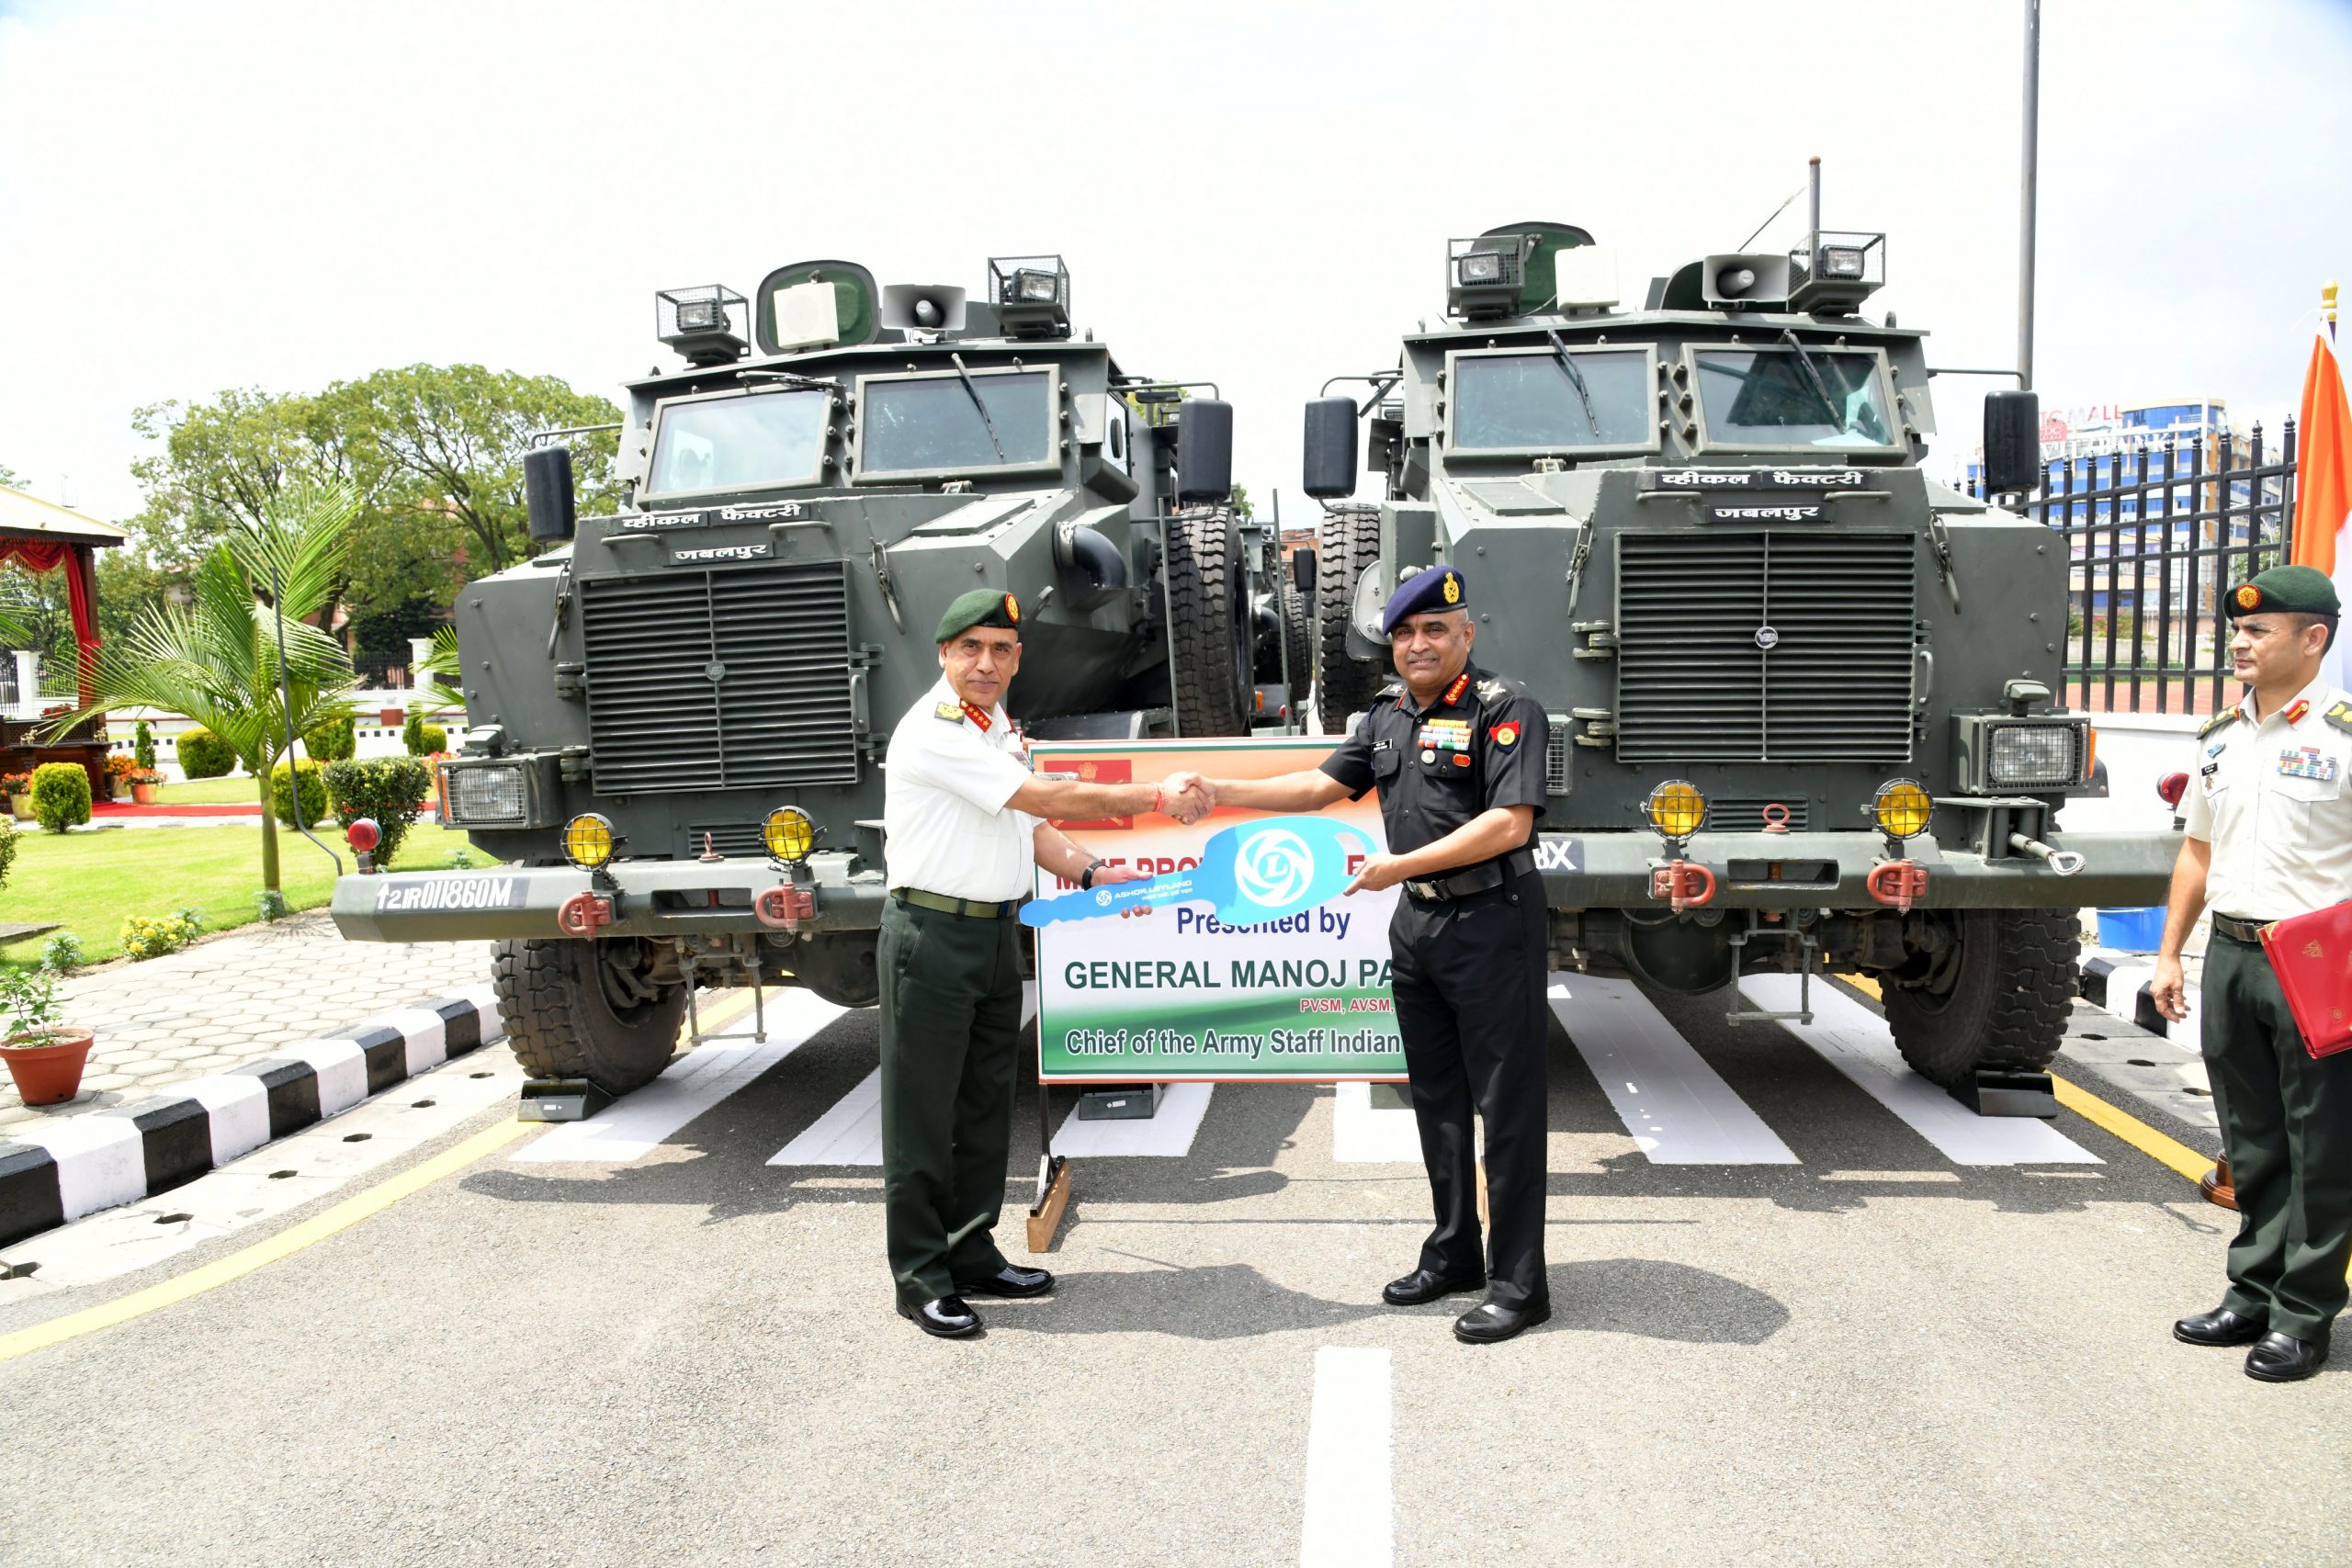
pixel 2154 539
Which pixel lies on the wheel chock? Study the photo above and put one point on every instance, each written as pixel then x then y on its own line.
pixel 1053 1202
pixel 1989 1092
pixel 559 1099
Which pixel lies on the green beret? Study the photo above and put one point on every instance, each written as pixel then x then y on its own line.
pixel 2302 590
pixel 980 607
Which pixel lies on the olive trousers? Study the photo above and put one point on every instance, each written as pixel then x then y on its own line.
pixel 2287 1127
pixel 951 1032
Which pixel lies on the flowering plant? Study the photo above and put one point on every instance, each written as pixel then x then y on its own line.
pixel 138 776
pixel 15 783
pixel 119 764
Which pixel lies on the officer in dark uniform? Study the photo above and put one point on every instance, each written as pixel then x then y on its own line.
pixel 1457 755
pixel 2270 835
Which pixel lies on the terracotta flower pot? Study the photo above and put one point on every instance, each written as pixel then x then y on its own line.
pixel 143 794
pixel 47 1062
pixel 20 807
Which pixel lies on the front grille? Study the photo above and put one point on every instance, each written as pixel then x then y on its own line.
pixel 1744 813
pixel 736 840
pixel 719 678
pixel 1556 778
pixel 1696 682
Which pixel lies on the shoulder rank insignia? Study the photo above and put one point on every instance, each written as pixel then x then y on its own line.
pixel 2227 716
pixel 1492 688
pixel 2340 713
pixel 1461 683
pixel 2296 709
pixel 952 712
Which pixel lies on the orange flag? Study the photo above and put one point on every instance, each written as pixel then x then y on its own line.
pixel 2323 469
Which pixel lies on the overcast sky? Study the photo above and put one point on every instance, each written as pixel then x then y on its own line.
pixel 195 197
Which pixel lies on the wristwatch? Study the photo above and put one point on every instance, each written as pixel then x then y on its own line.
pixel 1086 877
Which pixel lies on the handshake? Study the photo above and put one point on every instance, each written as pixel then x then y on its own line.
pixel 1186 796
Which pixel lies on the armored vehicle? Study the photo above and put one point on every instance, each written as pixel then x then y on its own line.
pixel 677 718
pixel 1800 694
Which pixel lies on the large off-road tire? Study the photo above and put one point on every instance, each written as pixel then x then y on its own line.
pixel 1999 1000
pixel 568 1017
pixel 1208 613
pixel 1298 645
pixel 1349 542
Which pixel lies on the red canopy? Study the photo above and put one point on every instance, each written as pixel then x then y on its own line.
pixel 81 593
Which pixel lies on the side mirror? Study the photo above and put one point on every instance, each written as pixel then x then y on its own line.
pixel 2012 443
pixel 1204 450
pixel 1330 460
pixel 1301 570
pixel 547 492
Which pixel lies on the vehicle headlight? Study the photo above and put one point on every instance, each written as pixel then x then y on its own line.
pixel 1482 266
pixel 1901 809
pixel 481 796
pixel 1676 808
pixel 788 833
pixel 1036 287
pixel 1841 261
pixel 2024 755
pixel 588 840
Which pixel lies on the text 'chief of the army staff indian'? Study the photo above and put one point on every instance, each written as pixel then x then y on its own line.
pixel 1457 755
pixel 963 819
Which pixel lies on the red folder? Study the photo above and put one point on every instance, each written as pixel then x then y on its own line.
pixel 2312 956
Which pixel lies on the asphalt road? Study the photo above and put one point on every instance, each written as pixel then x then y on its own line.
pixel 1871 1355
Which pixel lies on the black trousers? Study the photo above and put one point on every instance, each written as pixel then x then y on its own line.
pixel 1468 980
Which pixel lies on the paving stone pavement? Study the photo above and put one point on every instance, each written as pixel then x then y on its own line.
pixel 236 998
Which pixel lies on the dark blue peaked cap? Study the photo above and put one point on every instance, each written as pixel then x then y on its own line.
pixel 1438 588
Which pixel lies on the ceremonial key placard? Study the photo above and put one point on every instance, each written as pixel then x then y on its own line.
pixel 1241 961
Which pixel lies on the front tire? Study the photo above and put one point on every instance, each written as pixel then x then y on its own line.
pixel 576 1009
pixel 1997 999
pixel 1346 547
pixel 1210 623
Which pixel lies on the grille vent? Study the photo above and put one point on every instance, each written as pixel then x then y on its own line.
pixel 1744 813
pixel 736 840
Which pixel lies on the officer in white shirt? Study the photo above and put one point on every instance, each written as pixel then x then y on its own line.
pixel 964 819
pixel 2270 835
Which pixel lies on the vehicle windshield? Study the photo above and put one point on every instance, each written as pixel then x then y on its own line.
pixel 929 424
pixel 1769 398
pixel 1510 403
pixel 748 443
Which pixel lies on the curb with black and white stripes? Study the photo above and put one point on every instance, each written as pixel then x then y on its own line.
pixel 2119 983
pixel 61 1171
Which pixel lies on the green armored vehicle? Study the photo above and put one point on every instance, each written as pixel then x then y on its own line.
pixel 677 722
pixel 1800 694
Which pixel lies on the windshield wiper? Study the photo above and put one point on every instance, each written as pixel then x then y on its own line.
pixel 1820 387
pixel 973 393
pixel 1575 379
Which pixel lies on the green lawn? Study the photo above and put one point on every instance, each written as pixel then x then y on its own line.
pixel 89 881
pixel 237 789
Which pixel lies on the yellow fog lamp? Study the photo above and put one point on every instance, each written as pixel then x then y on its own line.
pixel 1902 809
pixel 588 840
pixel 788 833
pixel 1676 808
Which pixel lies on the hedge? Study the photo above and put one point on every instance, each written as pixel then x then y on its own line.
pixel 7 849
pixel 391 790
pixel 435 739
pixel 204 755
pixel 61 795
pixel 332 741
pixel 315 793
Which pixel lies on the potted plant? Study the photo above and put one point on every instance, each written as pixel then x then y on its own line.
pixel 44 1056
pixel 143 785
pixel 19 788
pixel 120 765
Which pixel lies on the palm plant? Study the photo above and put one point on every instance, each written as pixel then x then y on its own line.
pixel 216 659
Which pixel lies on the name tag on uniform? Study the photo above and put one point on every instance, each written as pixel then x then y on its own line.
pixel 2307 762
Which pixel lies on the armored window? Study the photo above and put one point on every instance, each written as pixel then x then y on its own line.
pixel 1775 398
pixel 738 442
pixel 1522 403
pixel 933 424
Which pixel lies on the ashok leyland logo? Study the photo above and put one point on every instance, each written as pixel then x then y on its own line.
pixel 1275 866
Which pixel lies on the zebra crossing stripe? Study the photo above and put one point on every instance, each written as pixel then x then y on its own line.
pixel 1168 1133
pixel 1361 1135
pixel 1678 1109
pixel 1857 1042
pixel 848 1134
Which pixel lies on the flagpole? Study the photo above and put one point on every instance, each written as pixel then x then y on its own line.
pixel 2327 307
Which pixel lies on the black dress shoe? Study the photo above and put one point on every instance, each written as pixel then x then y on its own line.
pixel 947 1317
pixel 2282 1358
pixel 1488 1323
pixel 2220 1326
pixel 1010 1280
pixel 1428 1285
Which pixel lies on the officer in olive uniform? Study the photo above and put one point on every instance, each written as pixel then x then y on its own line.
pixel 2270 835
pixel 963 821
pixel 1457 755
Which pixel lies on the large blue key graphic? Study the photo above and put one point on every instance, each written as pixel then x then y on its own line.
pixel 1253 872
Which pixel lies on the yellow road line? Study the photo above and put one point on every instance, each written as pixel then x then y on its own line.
pixel 293 1239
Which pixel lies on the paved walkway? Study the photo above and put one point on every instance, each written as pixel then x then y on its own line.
pixel 238 999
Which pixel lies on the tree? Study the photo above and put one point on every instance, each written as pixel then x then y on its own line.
pixel 1242 508
pixel 8 477
pixel 216 658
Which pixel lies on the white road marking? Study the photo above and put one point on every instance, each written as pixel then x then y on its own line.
pixel 1682 1113
pixel 1856 1042
pixel 1361 1135
pixel 849 1133
pixel 635 1125
pixel 1167 1135
pixel 1350 1504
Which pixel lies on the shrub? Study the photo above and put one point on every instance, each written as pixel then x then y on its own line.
pixel 389 789
pixel 61 795
pixel 29 998
pixel 152 937
pixel 314 792
pixel 61 954
pixel 7 849
pixel 413 732
pixel 435 739
pixel 204 755
pixel 332 741
pixel 269 904
pixel 142 746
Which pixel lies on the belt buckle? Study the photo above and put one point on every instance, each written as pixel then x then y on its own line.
pixel 1428 892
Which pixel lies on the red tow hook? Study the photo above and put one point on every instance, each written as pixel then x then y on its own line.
pixel 584 914
pixel 1685 884
pixel 786 907
pixel 1896 883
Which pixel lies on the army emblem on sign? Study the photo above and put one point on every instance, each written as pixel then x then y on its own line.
pixel 1452 589
pixel 2248 596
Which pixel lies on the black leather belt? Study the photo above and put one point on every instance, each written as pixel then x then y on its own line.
pixel 1482 879
pixel 2247 931
pixel 975 908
